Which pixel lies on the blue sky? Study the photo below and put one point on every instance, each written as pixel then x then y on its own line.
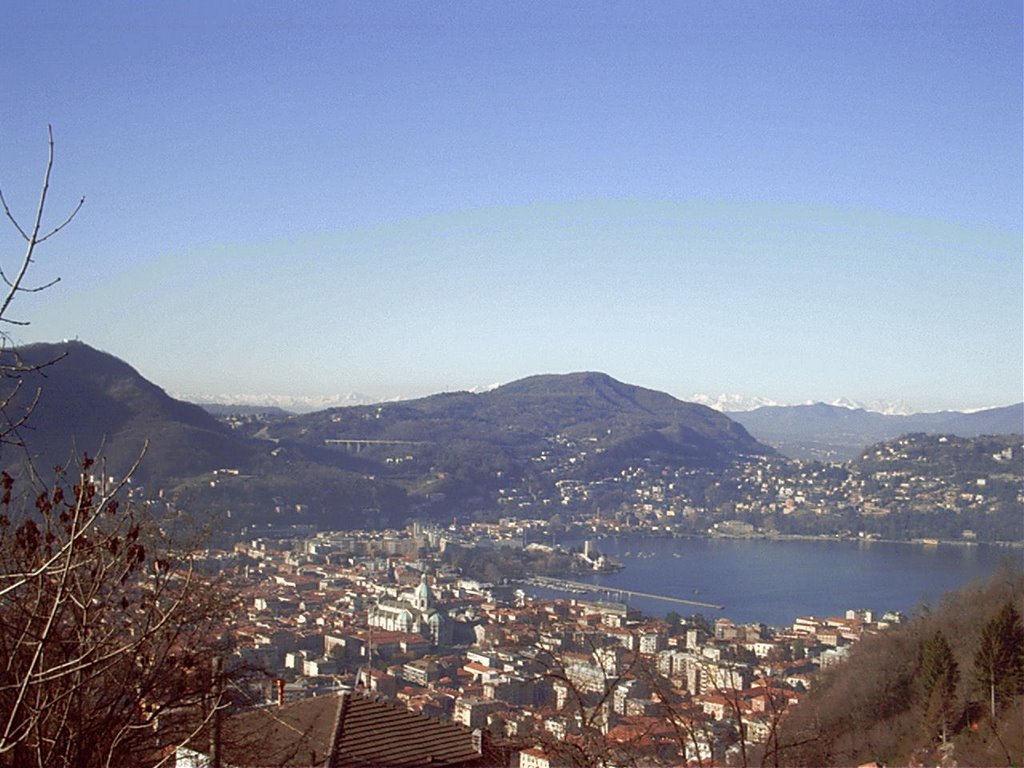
pixel 793 200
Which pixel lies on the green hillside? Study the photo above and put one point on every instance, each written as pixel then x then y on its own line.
pixel 883 704
pixel 352 467
pixel 494 436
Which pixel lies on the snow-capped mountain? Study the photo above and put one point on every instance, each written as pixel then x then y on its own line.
pixel 730 403
pixel 884 407
pixel 293 403
pixel 725 403
pixel 838 431
pixel 741 403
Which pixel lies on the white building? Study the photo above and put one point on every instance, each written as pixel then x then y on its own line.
pixel 415 613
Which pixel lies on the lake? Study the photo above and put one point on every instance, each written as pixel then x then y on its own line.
pixel 776 581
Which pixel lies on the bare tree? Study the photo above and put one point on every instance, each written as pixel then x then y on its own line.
pixel 584 682
pixel 109 637
pixel 12 368
pixel 106 631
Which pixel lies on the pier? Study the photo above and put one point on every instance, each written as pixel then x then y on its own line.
pixel 580 586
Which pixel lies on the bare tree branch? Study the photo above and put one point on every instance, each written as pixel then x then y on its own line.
pixel 112 628
pixel 16 286
pixel 10 216
pixel 63 224
pixel 104 626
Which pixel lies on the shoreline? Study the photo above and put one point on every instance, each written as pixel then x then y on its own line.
pixel 924 542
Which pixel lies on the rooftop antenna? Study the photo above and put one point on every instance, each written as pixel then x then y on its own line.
pixel 369 646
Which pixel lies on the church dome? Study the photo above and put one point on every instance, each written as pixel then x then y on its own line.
pixel 423 597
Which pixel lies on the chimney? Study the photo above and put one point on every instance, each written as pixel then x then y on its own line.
pixel 480 739
pixel 280 691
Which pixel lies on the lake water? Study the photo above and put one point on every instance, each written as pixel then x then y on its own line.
pixel 776 581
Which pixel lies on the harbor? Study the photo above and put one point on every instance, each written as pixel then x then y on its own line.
pixel 579 587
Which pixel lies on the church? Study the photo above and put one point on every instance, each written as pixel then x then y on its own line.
pixel 415 613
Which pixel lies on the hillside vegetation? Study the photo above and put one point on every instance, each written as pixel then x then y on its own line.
pixel 902 690
pixel 357 467
pixel 82 401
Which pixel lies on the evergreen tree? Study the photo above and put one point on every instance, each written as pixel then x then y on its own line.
pixel 938 680
pixel 999 660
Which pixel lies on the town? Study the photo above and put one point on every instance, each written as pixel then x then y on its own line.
pixel 916 487
pixel 386 614
pixel 924 487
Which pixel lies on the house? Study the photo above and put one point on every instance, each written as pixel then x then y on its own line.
pixel 472 712
pixel 652 642
pixel 715 705
pixel 422 671
pixel 319 667
pixel 349 730
pixel 534 758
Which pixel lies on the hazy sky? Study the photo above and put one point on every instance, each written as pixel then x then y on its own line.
pixel 793 200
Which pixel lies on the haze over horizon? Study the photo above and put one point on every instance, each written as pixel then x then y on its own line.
pixel 724 402
pixel 796 201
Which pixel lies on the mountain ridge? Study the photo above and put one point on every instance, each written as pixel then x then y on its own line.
pixel 521 414
pixel 828 432
pixel 461 447
pixel 112 408
pixel 724 403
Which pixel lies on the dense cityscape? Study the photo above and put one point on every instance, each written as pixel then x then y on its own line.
pixel 446 621
pixel 517 234
pixel 386 612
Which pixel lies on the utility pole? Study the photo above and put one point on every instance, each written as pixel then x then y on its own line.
pixel 215 737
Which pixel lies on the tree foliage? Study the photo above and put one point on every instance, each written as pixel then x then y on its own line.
pixel 938 680
pixel 873 706
pixel 999 660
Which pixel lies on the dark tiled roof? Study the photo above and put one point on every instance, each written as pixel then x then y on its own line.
pixel 346 731
pixel 297 734
pixel 377 733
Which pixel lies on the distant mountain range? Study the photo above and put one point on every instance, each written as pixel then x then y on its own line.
pixel 251 403
pixel 739 403
pixel 726 403
pixel 837 433
pixel 373 465
pixel 355 466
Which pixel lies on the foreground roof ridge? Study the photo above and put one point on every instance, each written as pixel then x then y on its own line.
pixel 334 759
pixel 375 731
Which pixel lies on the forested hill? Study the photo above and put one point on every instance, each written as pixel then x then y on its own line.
pixel 522 418
pixel 583 426
pixel 77 400
pixel 956 667
pixel 358 466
